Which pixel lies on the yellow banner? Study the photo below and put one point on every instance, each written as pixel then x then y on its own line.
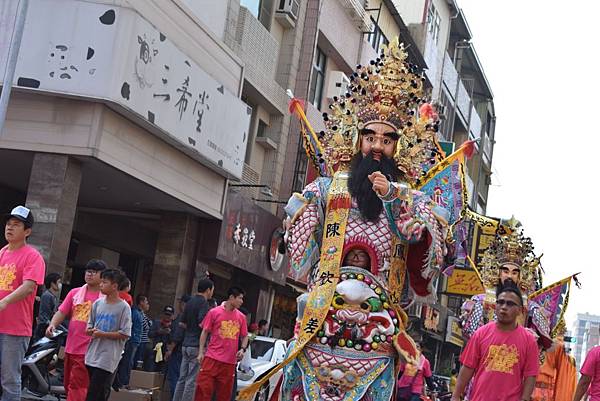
pixel 464 282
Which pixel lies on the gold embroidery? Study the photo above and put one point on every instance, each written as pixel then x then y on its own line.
pixel 229 329
pixel 81 312
pixel 501 358
pixel 7 277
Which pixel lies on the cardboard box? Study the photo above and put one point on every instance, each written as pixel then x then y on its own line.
pixel 136 394
pixel 146 380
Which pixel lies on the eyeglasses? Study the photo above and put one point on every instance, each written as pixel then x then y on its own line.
pixel 91 271
pixel 510 304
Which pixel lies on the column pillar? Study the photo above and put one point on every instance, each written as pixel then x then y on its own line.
pixel 174 260
pixel 52 196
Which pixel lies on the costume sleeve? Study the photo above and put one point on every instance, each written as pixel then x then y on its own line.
pixel 473 317
pixel 67 305
pixel 471 356
pixel 532 361
pixel 412 213
pixel 589 365
pixel 306 214
pixel 35 268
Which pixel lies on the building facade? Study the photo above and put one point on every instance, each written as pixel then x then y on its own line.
pixel 586 335
pixel 132 131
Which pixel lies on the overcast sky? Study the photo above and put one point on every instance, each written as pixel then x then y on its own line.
pixel 541 59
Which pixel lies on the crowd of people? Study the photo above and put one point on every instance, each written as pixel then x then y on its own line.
pixel 196 346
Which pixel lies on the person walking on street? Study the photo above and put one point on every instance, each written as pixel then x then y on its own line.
pixel 49 302
pixel 142 353
pixel 160 333
pixel 110 327
pixel 174 355
pixel 124 292
pixel 76 307
pixel 590 377
pixel 503 355
pixel 193 315
pixel 128 358
pixel 226 326
pixel 412 382
pixel 22 269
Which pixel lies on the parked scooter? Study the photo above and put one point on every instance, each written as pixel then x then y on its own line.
pixel 39 360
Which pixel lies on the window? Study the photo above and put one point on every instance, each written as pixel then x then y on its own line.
pixel 317 79
pixel 252 5
pixel 433 22
pixel 261 130
pixel 261 9
pixel 377 38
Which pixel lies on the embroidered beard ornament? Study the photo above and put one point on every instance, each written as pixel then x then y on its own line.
pixel 360 186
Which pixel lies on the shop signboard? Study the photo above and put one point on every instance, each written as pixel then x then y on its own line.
pixel 249 239
pixel 112 54
pixel 454 332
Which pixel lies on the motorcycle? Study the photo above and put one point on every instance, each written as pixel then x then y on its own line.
pixel 40 358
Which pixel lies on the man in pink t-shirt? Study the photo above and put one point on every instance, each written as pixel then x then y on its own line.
pixel 77 306
pixel 503 356
pixel 590 374
pixel 411 383
pixel 226 326
pixel 22 269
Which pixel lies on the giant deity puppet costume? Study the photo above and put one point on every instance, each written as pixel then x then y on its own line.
pixel 358 231
pixel 511 256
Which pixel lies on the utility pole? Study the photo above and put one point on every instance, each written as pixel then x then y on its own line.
pixel 11 60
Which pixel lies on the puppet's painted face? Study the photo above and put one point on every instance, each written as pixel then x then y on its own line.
pixel 511 271
pixel 378 138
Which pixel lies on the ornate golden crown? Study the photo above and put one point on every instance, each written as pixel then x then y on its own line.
pixel 512 247
pixel 388 90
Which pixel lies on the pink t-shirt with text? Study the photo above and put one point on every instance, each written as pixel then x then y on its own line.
pixel 225 328
pixel 591 368
pixel 416 380
pixel 77 340
pixel 502 360
pixel 17 266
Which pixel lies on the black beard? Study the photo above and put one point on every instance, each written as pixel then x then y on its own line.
pixel 361 188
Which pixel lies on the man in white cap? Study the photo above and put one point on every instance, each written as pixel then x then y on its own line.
pixel 22 269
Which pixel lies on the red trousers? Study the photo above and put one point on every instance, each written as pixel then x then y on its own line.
pixel 76 378
pixel 214 377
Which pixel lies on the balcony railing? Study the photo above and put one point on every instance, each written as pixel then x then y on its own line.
pixel 459 96
pixel 258 48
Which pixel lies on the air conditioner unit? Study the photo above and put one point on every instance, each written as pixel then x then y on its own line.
pixel 290 8
pixel 337 85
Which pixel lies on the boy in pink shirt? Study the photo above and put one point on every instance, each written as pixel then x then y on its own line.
pixel 590 377
pixel 77 306
pixel 226 325
pixel 503 356
pixel 22 269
